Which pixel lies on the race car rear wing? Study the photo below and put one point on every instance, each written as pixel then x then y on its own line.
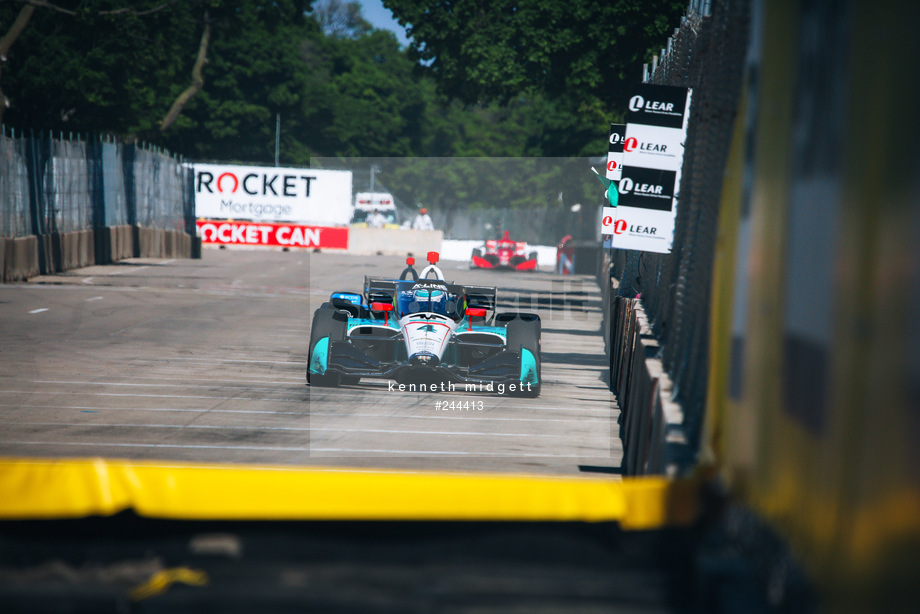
pixel 482 296
pixel 380 289
pixel 383 289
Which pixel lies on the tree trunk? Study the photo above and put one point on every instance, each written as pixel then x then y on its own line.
pixel 197 79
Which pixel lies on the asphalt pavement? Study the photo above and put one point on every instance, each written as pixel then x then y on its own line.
pixel 204 361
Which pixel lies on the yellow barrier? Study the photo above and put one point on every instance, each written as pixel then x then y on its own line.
pixel 820 434
pixel 74 488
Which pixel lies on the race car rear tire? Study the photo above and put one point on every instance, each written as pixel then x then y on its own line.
pixel 327 324
pixel 525 335
pixel 507 317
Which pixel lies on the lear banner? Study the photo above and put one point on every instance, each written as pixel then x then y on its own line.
pixel 615 151
pixel 614 170
pixel 653 153
pixel 271 194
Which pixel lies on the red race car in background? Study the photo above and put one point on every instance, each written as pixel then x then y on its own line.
pixel 504 254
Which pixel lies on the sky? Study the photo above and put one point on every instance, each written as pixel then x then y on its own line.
pixel 382 19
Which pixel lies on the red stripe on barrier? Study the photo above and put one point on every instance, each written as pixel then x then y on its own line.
pixel 227 232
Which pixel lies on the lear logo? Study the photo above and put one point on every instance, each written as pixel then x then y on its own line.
pixel 632 144
pixel 638 103
pixel 619 226
pixel 627 186
pixel 612 165
pixel 615 138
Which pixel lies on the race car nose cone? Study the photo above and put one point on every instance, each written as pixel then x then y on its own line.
pixel 424 359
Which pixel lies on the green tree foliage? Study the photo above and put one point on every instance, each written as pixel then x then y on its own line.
pixel 351 92
pixel 580 55
pixel 255 71
pixel 542 82
pixel 501 48
pixel 341 19
pixel 81 69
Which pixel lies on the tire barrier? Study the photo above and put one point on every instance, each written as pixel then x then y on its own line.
pixel 651 423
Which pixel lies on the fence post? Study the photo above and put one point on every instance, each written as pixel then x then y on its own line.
pixel 35 166
pixel 127 164
pixel 101 236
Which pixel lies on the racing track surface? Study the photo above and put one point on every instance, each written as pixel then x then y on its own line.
pixel 204 361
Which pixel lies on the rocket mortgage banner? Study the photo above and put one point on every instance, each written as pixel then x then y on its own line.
pixel 228 232
pixel 272 194
pixel 653 154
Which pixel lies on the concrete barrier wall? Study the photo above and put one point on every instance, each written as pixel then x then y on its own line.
pixel 122 242
pixel 20 260
pixel 77 250
pixel 150 242
pixel 393 242
pixel 70 246
pixel 651 423
pixel 158 243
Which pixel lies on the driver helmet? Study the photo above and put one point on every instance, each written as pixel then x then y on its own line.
pixel 429 299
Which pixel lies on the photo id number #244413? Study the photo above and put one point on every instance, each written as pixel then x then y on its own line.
pixel 458 405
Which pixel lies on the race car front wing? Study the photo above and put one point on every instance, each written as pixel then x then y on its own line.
pixel 503 367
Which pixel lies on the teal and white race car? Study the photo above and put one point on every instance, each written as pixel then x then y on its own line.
pixel 425 334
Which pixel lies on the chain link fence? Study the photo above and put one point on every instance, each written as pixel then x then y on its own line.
pixel 15 220
pixel 162 191
pixel 61 185
pixel 538 200
pixel 707 54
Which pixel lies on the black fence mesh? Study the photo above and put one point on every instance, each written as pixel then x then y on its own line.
pixel 68 187
pixel 163 192
pixel 15 220
pixel 707 54
pixel 50 185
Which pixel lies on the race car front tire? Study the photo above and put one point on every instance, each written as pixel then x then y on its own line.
pixel 524 337
pixel 328 326
pixel 477 253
